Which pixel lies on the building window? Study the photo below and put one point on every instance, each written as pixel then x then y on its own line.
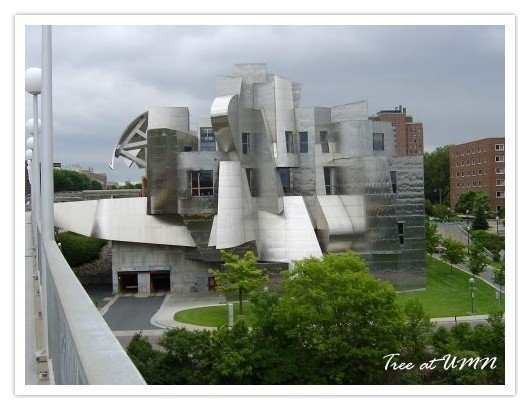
pixel 330 180
pixel 285 179
pixel 479 183
pixel 251 178
pixel 479 172
pixel 473 173
pixel 499 159
pixel 458 184
pixel 474 183
pixel 401 232
pixel 473 161
pixel 457 163
pixel 478 149
pixel 393 180
pixel 499 182
pixel 324 143
pixel 499 147
pixel 378 141
pixel 304 142
pixel 289 142
pixel 207 139
pixel 245 143
pixel 500 194
pixel 201 183
pixel 479 161
pixel 499 170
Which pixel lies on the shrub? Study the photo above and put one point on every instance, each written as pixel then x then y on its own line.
pixel 491 242
pixel 78 249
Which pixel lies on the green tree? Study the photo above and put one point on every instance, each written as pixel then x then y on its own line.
pixel 436 173
pixel 335 317
pixel 481 211
pixel 465 202
pixel 67 180
pixel 239 274
pixel 96 185
pixel 454 252
pixel 432 237
pixel 477 259
pixel 499 276
pixel 418 328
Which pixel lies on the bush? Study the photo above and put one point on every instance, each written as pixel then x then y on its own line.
pixel 78 249
pixel 491 242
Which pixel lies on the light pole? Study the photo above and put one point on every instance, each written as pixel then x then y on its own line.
pixel 439 190
pixel 497 218
pixel 472 290
pixel 467 229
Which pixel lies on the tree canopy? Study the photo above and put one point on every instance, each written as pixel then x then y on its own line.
pixel 432 237
pixel 240 274
pixel 436 175
pixel 454 252
pixel 67 180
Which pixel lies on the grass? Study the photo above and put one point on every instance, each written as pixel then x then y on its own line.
pixel 212 316
pixel 78 249
pixel 448 293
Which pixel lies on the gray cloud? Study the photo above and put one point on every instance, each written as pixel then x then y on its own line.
pixel 451 78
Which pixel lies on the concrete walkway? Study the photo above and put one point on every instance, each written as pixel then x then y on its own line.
pixel 174 303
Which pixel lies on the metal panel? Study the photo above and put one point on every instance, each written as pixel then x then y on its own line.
pixel 122 219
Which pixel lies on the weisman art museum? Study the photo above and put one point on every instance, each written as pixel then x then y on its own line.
pixel 263 174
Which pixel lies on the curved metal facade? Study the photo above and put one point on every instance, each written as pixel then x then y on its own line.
pixel 285 181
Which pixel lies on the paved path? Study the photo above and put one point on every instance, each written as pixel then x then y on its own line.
pixel 174 303
pixel 132 312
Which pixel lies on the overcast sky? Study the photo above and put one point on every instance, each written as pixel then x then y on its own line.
pixel 451 78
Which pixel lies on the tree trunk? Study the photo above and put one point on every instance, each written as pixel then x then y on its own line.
pixel 240 301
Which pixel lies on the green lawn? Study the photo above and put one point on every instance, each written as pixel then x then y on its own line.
pixel 213 316
pixel 448 293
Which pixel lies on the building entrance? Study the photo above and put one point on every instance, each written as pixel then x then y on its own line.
pixel 128 282
pixel 160 281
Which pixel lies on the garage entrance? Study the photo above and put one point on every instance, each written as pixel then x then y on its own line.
pixel 160 281
pixel 128 282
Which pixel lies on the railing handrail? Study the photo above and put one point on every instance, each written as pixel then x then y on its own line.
pixel 102 358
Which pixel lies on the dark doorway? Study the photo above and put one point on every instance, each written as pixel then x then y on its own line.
pixel 128 282
pixel 160 281
pixel 211 284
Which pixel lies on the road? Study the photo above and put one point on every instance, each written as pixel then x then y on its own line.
pixel 133 312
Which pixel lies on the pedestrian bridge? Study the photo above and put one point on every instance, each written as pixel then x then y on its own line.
pixel 67 340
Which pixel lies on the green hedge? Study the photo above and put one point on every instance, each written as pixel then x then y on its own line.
pixel 78 249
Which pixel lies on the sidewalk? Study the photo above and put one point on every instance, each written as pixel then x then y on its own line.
pixel 174 303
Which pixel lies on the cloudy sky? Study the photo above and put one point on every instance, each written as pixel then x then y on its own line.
pixel 451 78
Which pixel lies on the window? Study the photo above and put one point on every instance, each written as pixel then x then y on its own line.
pixel 289 142
pixel 478 149
pixel 499 147
pixel 251 178
pixel 458 184
pixel 393 180
pixel 245 143
pixel 473 161
pixel 500 194
pixel 479 183
pixel 201 183
pixel 324 143
pixel 474 183
pixel 285 178
pixel 479 161
pixel 457 163
pixel 499 182
pixel 480 172
pixel 379 141
pixel 473 173
pixel 401 232
pixel 499 170
pixel 207 139
pixel 187 148
pixel 329 180
pixel 304 142
pixel 499 159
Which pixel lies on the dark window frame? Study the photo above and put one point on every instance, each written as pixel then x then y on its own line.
pixel 303 140
pixel 198 185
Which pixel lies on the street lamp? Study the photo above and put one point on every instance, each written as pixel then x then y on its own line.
pixel 472 290
pixel 467 230
pixel 497 218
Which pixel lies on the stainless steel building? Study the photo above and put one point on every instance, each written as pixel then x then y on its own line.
pixel 262 173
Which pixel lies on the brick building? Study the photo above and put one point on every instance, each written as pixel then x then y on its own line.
pixel 407 134
pixel 478 166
